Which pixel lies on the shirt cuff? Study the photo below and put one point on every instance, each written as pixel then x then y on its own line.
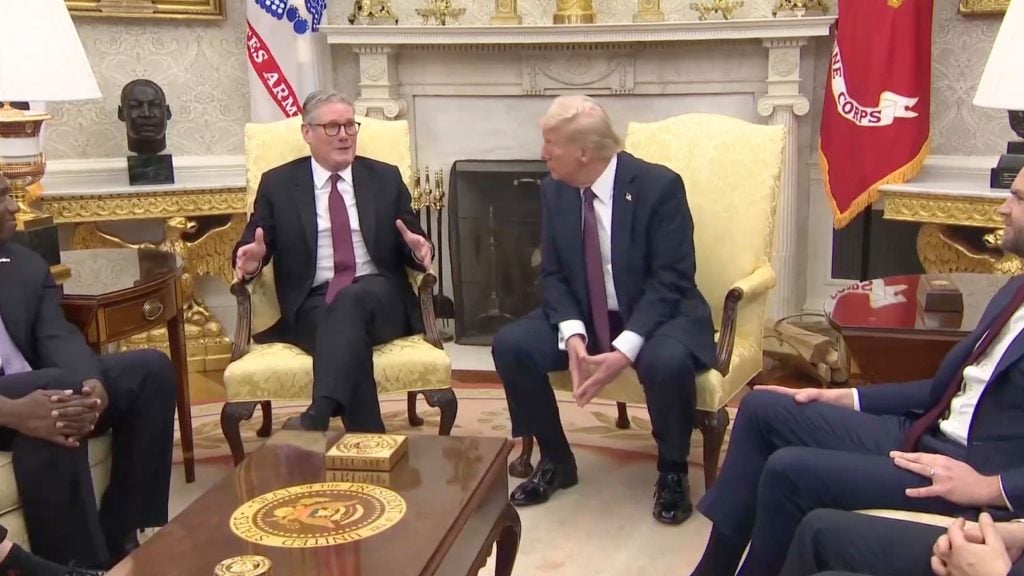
pixel 629 343
pixel 856 399
pixel 569 328
pixel 1003 492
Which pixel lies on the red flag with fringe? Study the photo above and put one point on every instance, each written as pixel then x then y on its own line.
pixel 874 123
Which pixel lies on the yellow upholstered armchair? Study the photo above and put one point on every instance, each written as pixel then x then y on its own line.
pixel 731 170
pixel 261 373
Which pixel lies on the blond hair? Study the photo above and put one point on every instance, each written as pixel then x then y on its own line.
pixel 584 123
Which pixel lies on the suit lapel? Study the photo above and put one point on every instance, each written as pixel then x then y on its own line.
pixel 305 202
pixel 11 307
pixel 622 220
pixel 366 201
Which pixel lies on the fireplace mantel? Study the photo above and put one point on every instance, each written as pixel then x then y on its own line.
pixel 441 77
pixel 614 33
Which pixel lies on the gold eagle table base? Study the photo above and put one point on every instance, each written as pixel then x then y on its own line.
pixel 945 249
pixel 205 246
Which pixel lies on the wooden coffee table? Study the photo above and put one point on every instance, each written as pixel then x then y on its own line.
pixel 455 490
pixel 888 335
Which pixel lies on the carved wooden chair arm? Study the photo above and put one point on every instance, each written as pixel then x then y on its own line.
pixel 424 283
pixel 243 325
pixel 755 284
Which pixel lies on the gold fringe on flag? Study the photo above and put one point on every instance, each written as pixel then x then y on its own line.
pixel 868 197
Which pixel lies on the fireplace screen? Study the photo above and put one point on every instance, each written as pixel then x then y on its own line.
pixel 494 223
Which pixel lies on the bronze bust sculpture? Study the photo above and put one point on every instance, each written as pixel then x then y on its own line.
pixel 145 113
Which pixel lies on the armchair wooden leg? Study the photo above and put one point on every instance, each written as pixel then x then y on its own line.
pixel 268 420
pixel 231 416
pixel 712 426
pixel 445 400
pixel 521 466
pixel 414 418
pixel 622 422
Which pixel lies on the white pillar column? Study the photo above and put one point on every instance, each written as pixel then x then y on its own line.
pixel 782 105
pixel 378 83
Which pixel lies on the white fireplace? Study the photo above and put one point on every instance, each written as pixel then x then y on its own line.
pixel 476 92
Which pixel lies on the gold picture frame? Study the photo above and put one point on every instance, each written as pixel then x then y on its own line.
pixel 984 6
pixel 168 9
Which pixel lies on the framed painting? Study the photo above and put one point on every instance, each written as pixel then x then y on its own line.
pixel 170 9
pixel 984 6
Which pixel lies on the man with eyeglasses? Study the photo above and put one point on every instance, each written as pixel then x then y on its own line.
pixel 340 231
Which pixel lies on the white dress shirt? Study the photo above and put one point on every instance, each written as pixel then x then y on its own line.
pixel 628 342
pixel 957 424
pixel 324 239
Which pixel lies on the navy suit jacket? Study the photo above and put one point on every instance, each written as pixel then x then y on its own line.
pixel 995 441
pixel 285 208
pixel 653 260
pixel 30 307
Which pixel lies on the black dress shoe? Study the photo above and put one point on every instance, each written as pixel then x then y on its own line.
pixel 545 481
pixel 84 572
pixel 672 498
pixel 117 553
pixel 309 421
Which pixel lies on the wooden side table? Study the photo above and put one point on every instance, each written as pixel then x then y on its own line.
pixel 888 335
pixel 116 293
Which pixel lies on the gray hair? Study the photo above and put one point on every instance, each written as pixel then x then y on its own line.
pixel 318 98
pixel 584 123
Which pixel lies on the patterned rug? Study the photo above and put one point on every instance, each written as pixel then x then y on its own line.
pixel 482 412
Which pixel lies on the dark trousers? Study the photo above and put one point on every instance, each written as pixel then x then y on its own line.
pixel 54 482
pixel 526 350
pixel 785 460
pixel 833 540
pixel 340 337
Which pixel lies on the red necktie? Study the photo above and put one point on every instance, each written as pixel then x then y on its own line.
pixel 341 237
pixel 931 418
pixel 595 274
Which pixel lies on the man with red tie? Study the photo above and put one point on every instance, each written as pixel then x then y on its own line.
pixel 618 290
pixel 340 231
pixel 952 444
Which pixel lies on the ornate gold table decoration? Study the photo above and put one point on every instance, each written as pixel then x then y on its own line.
pixel 506 13
pixel 960 229
pixel 799 7
pixel 648 11
pixel 372 12
pixel 201 225
pixel 706 8
pixel 574 12
pixel 440 12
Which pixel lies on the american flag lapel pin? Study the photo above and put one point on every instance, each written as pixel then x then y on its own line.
pixel 629 197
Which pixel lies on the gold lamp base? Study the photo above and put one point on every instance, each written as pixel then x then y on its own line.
pixel 23 165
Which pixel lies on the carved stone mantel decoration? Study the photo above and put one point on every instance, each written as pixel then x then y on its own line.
pixel 487 79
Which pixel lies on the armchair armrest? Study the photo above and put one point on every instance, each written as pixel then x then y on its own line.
pixel 756 283
pixel 423 284
pixel 243 325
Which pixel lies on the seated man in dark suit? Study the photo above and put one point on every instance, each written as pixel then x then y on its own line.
pixel 839 542
pixel 953 444
pixel 54 394
pixel 617 275
pixel 16 561
pixel 340 231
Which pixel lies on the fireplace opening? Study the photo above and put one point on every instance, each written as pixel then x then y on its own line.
pixel 494 225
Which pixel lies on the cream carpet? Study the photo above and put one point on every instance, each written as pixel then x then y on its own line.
pixel 601 526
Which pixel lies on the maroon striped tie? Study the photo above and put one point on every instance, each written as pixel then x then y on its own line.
pixel 341 237
pixel 930 419
pixel 595 274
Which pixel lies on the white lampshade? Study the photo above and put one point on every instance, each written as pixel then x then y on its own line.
pixel 41 56
pixel 1002 83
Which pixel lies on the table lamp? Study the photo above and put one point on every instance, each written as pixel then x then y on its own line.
pixel 41 60
pixel 1002 87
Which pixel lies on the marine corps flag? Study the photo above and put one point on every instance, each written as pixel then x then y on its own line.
pixel 874 124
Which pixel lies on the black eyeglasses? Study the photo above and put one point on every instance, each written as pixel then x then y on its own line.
pixel 334 128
